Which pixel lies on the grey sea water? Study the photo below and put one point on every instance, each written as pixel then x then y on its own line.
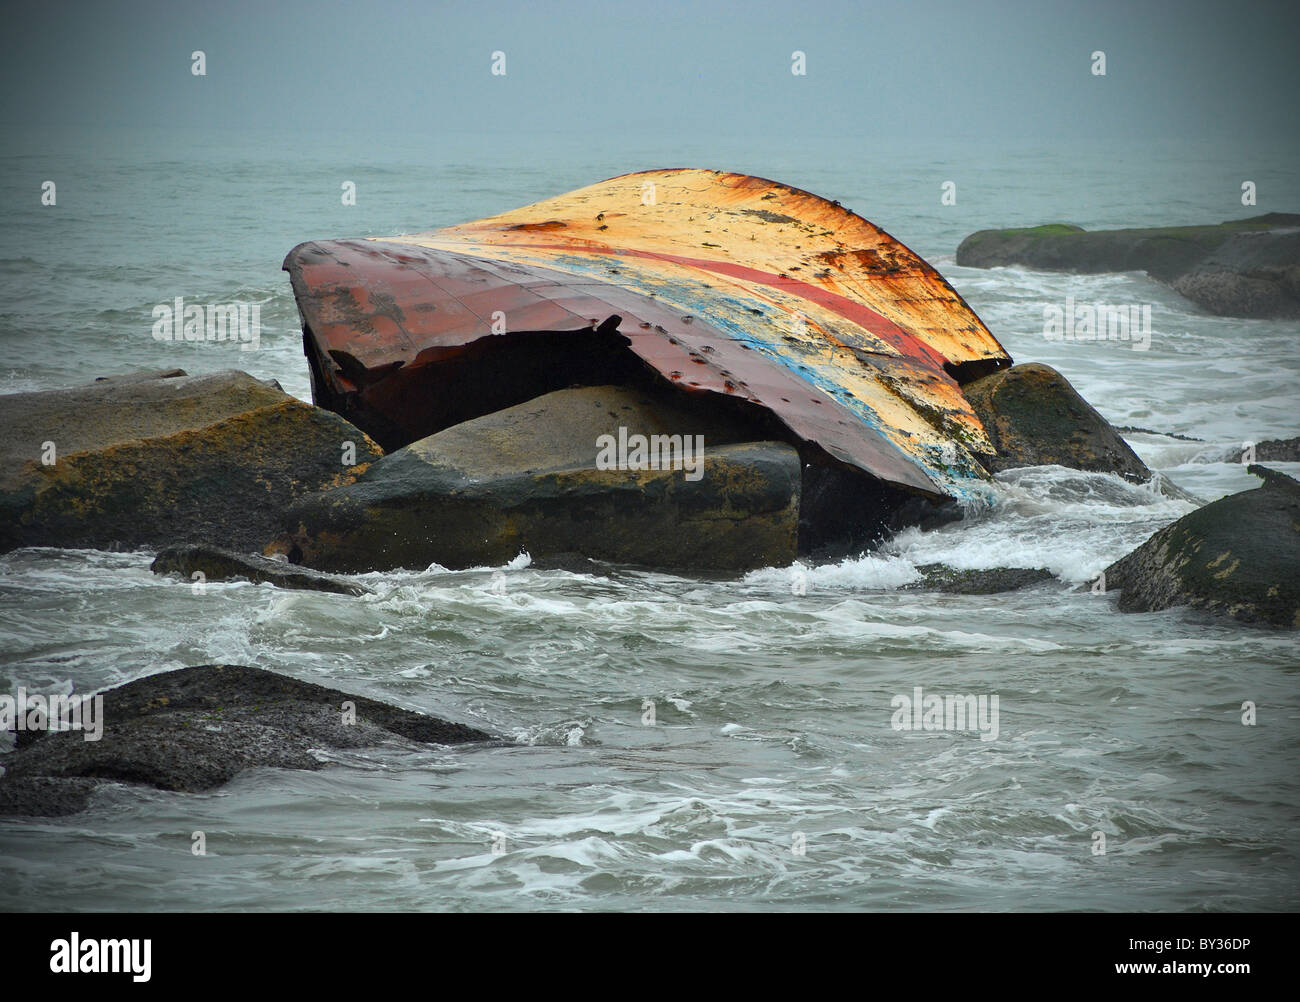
pixel 771 777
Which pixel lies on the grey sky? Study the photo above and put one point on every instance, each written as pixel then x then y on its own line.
pixel 1000 70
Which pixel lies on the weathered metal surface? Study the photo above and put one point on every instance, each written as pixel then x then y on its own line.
pixel 722 283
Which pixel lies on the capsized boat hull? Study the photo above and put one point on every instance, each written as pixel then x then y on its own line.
pixel 718 285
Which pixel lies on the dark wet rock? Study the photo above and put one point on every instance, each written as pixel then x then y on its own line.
pixel 1228 294
pixel 218 564
pixel 1127 429
pixel 1249 275
pixel 1238 556
pixel 1034 417
pixel 1279 450
pixel 149 462
pixel 526 479
pixel 1243 267
pixel 44 796
pixel 990 581
pixel 141 376
pixel 196 728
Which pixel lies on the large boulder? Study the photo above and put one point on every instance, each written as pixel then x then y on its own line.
pixel 196 728
pixel 1034 417
pixel 155 459
pixel 1239 556
pixel 1241 268
pixel 527 479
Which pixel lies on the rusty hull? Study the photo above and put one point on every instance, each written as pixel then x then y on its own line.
pixel 719 283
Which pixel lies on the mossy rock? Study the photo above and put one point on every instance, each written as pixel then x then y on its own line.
pixel 1034 417
pixel 149 462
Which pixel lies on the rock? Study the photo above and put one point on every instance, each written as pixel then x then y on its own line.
pixel 1278 450
pixel 194 729
pixel 1128 429
pixel 1248 275
pixel 1034 417
pixel 218 564
pixel 1243 267
pixel 1238 556
pixel 141 376
pixel 44 796
pixel 941 577
pixel 525 479
pixel 1228 294
pixel 1031 246
pixel 156 461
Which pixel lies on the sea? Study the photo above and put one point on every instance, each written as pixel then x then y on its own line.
pixel 673 742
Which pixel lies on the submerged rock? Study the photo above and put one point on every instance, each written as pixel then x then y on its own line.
pixel 194 729
pixel 1238 556
pixel 152 460
pixel 990 581
pixel 527 479
pixel 218 564
pixel 1034 417
pixel 1241 268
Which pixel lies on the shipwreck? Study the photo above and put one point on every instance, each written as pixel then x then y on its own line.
pixel 726 294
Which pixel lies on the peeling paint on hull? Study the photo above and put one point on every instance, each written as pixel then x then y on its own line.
pixel 720 283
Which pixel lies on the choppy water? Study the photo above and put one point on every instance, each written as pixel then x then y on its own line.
pixel 772 709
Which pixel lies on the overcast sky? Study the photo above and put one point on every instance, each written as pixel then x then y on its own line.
pixel 1001 70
